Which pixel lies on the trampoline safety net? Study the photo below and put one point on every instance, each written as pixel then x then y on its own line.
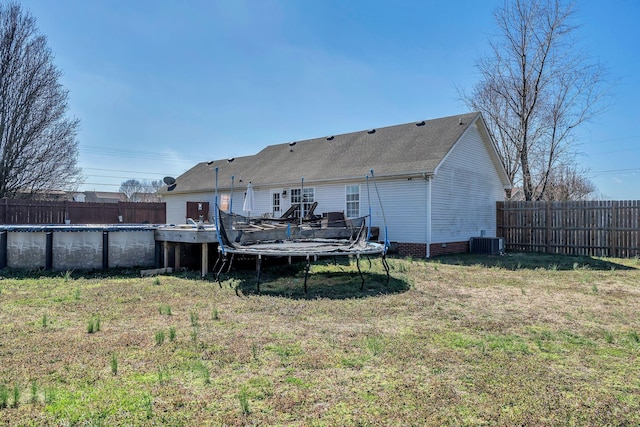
pixel 265 237
pixel 272 237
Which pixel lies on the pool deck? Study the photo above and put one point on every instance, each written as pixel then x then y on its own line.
pixel 172 236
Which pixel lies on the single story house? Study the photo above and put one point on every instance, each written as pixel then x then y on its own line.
pixel 99 197
pixel 438 181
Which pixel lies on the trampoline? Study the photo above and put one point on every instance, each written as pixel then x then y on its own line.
pixel 310 237
pixel 260 238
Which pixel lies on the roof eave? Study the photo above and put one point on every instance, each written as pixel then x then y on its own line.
pixel 425 174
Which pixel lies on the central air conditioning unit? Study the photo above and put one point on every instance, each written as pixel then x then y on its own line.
pixel 486 245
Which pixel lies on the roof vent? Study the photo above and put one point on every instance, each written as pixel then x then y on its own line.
pixel 210 162
pixel 230 159
pixel 330 138
pixel 370 131
pixel 291 144
pixel 460 121
pixel 420 123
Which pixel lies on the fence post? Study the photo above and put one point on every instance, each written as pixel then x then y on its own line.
pixel 613 233
pixel 499 219
pixel 548 228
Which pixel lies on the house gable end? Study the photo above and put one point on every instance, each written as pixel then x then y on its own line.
pixel 478 123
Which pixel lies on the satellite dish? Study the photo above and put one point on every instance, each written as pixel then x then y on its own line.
pixel 169 180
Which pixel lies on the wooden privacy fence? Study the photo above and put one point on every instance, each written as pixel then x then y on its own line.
pixel 592 228
pixel 53 212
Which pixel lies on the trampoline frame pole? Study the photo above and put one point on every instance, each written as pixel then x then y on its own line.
pixel 302 201
pixel 231 198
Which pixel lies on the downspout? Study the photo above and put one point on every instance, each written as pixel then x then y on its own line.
pixel 428 178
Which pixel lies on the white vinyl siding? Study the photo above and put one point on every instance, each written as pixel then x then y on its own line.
pixel 465 190
pixel 405 208
pixel 177 211
pixel 404 203
pixel 176 205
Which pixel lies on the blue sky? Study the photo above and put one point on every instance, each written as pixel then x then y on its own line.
pixel 161 85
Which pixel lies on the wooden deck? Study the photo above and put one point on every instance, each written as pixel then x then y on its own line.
pixel 173 237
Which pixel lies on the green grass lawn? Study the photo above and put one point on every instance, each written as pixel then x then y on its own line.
pixel 458 340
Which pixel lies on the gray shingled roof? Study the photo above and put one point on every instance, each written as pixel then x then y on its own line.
pixel 389 151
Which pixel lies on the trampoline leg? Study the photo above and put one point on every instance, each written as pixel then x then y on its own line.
pixel 258 265
pixel 215 266
pixel 369 259
pixel 360 271
pixel 224 262
pixel 306 273
pixel 229 269
pixel 386 266
pixel 230 263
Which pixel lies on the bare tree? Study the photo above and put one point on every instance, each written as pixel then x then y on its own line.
pixel 568 183
pixel 38 145
pixel 155 185
pixel 131 187
pixel 141 191
pixel 150 193
pixel 536 88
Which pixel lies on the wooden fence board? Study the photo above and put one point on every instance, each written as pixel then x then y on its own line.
pixel 52 212
pixel 591 228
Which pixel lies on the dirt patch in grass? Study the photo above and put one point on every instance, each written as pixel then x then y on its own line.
pixel 464 340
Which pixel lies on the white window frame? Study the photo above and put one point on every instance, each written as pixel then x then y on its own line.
pixel 352 200
pixel 308 198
